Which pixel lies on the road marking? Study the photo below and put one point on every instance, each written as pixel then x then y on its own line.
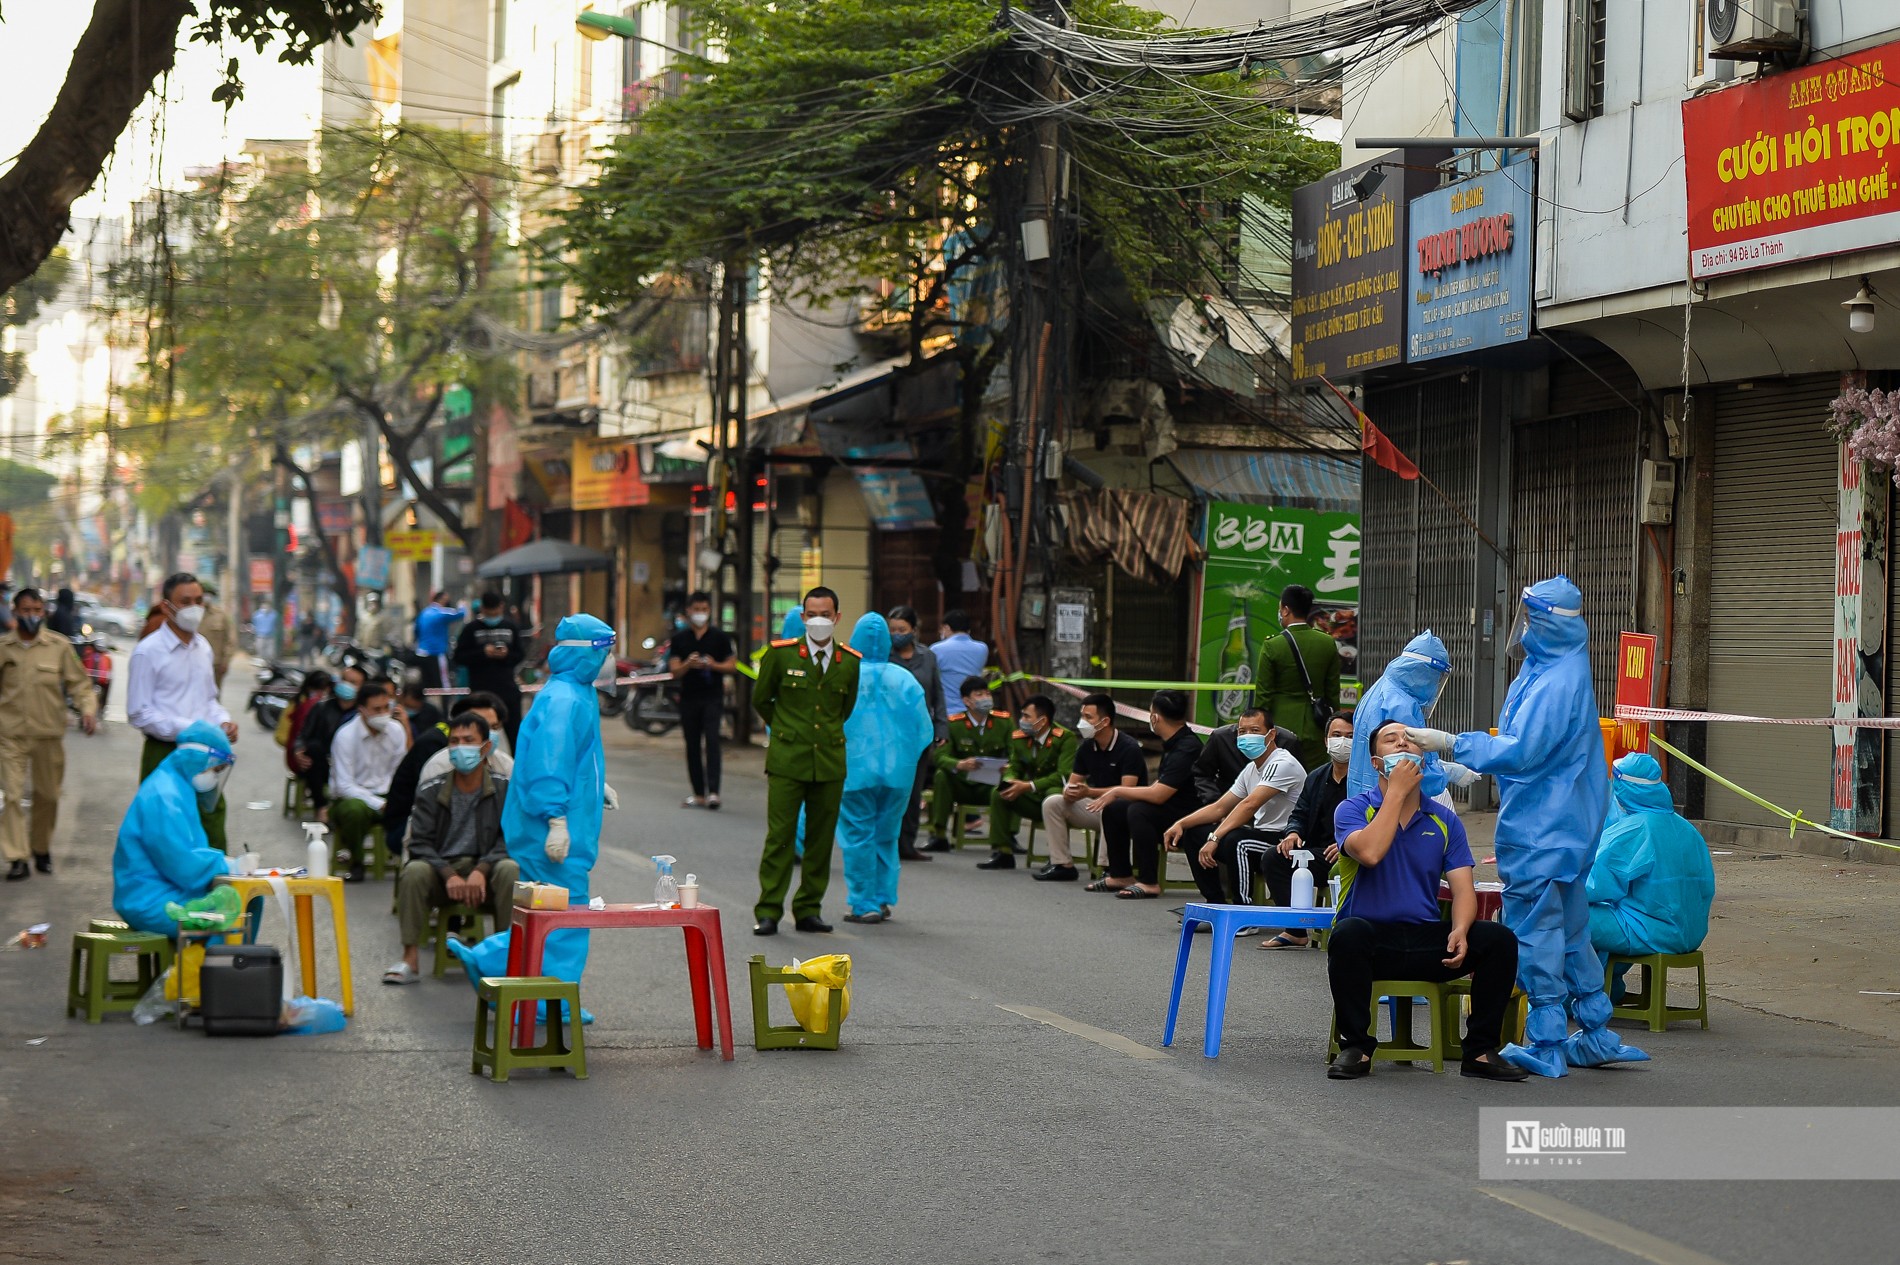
pixel 1591 1225
pixel 1074 1027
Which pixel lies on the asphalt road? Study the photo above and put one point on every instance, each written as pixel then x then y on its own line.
pixel 949 1127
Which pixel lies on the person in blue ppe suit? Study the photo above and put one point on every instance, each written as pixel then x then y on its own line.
pixel 162 854
pixel 556 796
pixel 1406 691
pixel 1653 880
pixel 1548 759
pixel 885 736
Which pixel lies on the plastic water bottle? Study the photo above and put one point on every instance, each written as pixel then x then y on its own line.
pixel 1302 879
pixel 316 852
pixel 666 893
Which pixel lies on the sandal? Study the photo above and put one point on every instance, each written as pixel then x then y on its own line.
pixel 1282 941
pixel 692 801
pixel 402 973
pixel 1137 892
pixel 1104 885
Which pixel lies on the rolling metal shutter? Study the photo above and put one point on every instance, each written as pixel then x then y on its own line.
pixel 1573 507
pixel 1771 595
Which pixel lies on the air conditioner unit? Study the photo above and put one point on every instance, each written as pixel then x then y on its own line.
pixel 1752 30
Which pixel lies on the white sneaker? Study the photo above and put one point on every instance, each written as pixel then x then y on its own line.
pixel 402 973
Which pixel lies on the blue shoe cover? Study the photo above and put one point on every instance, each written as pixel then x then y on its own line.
pixel 1598 1048
pixel 1539 1060
pixel 466 956
pixel 541 1014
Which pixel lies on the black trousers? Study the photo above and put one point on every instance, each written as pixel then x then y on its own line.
pixel 699 722
pixel 907 832
pixel 1209 878
pixel 1252 852
pixel 1131 833
pixel 1361 951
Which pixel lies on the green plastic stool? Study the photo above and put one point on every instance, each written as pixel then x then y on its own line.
pixel 1652 1004
pixel 1404 1047
pixel 439 932
pixel 296 797
pixel 1458 1004
pixel 108 926
pixel 767 1035
pixel 90 987
pixel 496 996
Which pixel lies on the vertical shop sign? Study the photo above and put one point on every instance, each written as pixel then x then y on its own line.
pixel 1860 643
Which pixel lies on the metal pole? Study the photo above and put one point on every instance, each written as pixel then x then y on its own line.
pixel 741 375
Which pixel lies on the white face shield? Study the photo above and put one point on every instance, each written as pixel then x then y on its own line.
pixel 1438 665
pixel 1514 644
pixel 209 782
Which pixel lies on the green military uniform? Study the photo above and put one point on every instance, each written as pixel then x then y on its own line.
pixel 1280 691
pixel 804 767
pixel 949 788
pixel 1045 766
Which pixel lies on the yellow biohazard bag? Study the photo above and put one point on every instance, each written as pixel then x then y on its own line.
pixel 811 1003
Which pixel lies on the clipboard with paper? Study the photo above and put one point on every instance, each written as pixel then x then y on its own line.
pixel 988 770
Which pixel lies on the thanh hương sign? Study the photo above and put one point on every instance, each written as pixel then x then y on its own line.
pixel 1793 166
pixel 1470 266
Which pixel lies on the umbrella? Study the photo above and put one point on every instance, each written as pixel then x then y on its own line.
pixel 545 557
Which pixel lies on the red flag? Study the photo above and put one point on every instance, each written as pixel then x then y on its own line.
pixel 1374 442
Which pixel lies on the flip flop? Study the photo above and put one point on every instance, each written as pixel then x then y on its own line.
pixel 1283 941
pixel 1136 892
pixel 1103 885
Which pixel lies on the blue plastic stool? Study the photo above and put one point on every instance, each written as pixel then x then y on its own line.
pixel 1224 921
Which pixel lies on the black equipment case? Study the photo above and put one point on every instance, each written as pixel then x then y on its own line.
pixel 241 990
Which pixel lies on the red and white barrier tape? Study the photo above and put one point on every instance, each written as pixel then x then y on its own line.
pixel 1825 722
pixel 649 678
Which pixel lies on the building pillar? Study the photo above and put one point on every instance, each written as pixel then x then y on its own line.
pixel 1860 645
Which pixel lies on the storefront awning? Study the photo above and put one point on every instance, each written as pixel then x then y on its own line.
pixel 1297 480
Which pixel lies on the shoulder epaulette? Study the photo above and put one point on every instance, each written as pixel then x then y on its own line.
pixel 1056 731
pixel 961 718
pixel 1019 734
pixel 785 641
pixel 1000 715
pixel 853 653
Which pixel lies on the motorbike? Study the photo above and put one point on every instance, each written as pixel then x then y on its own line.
pixel 95 655
pixel 654 708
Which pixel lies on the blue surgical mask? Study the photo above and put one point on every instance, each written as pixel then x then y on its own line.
pixel 345 691
pixel 493 621
pixel 465 759
pixel 1253 746
pixel 1392 762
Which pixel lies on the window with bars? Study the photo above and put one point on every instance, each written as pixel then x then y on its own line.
pixel 1583 59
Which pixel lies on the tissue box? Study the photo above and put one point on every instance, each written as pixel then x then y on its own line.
pixel 540 896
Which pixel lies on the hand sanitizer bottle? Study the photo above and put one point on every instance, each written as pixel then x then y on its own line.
pixel 666 892
pixel 316 852
pixel 1302 879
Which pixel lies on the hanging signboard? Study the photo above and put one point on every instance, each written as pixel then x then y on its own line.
pixel 1635 687
pixel 262 575
pixel 606 475
pixel 372 568
pixel 410 546
pixel 1794 166
pixel 1470 265
pixel 1254 552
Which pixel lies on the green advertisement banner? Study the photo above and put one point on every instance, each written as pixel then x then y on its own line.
pixel 1253 553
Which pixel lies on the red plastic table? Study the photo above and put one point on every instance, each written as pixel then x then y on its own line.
pixel 705 957
pixel 1490 899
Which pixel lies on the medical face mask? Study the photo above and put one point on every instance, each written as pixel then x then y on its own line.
pixel 29 626
pixel 1392 762
pixel 698 619
pixel 1253 746
pixel 902 641
pixel 819 629
pixel 982 705
pixel 1087 730
pixel 493 621
pixel 1339 750
pixel 345 692
pixel 189 617
pixel 465 759
pixel 208 783
pixel 376 723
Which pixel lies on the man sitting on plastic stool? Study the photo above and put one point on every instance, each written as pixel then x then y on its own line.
pixel 1652 882
pixel 1547 756
pixel 1394 846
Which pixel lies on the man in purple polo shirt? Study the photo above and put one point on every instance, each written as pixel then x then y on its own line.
pixel 1393 848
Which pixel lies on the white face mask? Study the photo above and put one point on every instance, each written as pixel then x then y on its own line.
pixel 376 723
pixel 1087 730
pixel 698 619
pixel 1339 749
pixel 189 617
pixel 819 629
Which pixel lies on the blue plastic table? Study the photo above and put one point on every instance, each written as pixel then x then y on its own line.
pixel 1224 921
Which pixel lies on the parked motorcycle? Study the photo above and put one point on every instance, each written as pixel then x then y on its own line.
pixel 655 707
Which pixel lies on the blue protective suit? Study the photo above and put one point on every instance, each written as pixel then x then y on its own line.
pixel 887 733
pixel 162 853
pixel 1653 880
pixel 1404 691
pixel 1548 759
pixel 559 772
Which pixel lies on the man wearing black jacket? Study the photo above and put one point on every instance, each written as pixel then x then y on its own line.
pixel 491 647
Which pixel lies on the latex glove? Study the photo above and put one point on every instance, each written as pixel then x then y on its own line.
pixel 557 840
pixel 1432 739
pixel 1458 774
pixel 611 797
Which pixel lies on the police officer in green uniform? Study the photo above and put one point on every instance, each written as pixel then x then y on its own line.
pixel 979 731
pixel 1297 666
pixel 807 687
pixel 1041 757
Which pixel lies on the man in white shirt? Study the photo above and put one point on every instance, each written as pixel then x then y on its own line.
pixel 1252 816
pixel 170 683
pixel 363 760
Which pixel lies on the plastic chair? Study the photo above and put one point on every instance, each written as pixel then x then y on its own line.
pixel 90 987
pixel 1403 1047
pixel 439 931
pixel 1652 1006
pixel 296 797
pixel 1458 1005
pixel 564 1050
pixel 1224 921
pixel 767 1035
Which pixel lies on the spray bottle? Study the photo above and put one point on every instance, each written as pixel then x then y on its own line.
pixel 316 852
pixel 666 893
pixel 1302 879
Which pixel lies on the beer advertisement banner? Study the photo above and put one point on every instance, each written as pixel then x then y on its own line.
pixel 1254 552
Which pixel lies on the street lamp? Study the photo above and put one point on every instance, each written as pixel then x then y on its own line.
pixel 600 26
pixel 1860 309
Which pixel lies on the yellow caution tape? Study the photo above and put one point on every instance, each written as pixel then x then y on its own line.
pixel 1795 820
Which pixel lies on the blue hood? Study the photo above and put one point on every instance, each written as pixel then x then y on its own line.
pixel 580 664
pixel 872 638
pixel 1549 635
pixel 1408 685
pixel 794 625
pixel 1420 670
pixel 1650 795
pixel 189 764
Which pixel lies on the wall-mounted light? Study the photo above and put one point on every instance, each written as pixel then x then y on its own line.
pixel 1365 186
pixel 1860 309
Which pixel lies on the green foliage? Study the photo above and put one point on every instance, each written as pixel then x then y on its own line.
pixel 303 25
pixel 21 306
pixel 23 485
pixel 844 140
